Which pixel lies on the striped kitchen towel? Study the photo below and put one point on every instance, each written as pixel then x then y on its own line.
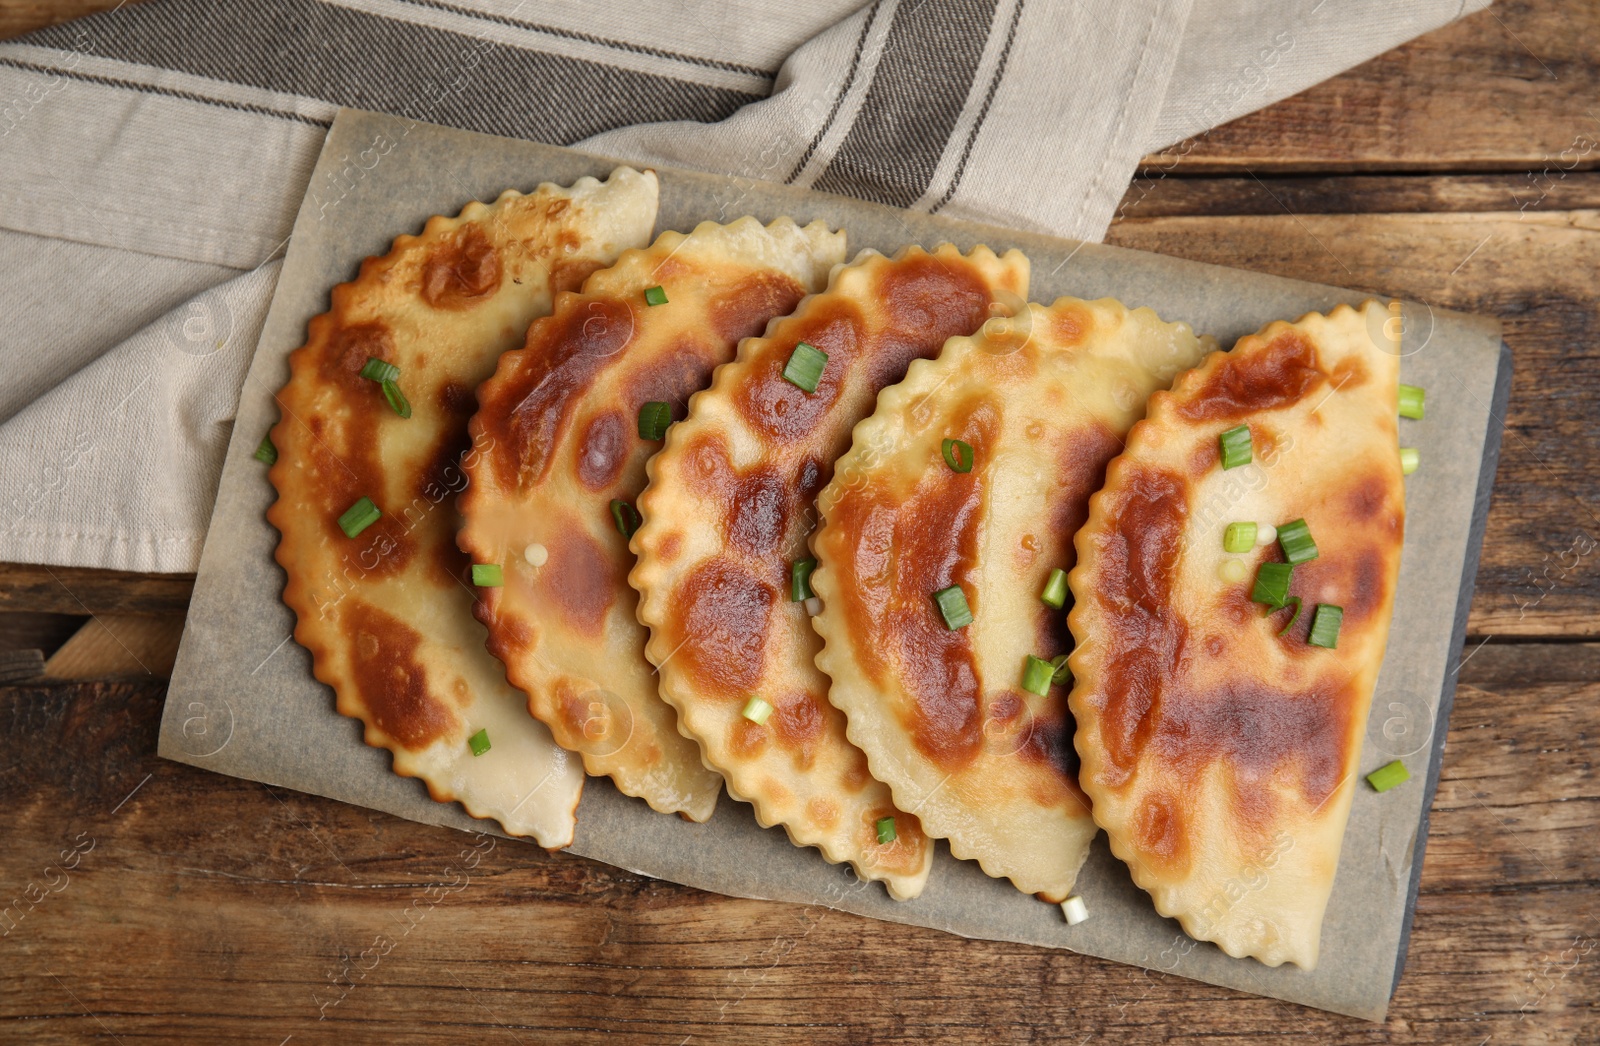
pixel 152 160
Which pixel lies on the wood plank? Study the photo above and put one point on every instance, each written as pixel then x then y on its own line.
pixel 113 645
pixel 1155 194
pixel 81 590
pixel 1510 88
pixel 1540 572
pixel 255 910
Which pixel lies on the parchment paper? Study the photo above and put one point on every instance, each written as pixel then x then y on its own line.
pixel 243 700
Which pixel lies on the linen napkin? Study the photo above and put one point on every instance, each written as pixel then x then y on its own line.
pixel 152 160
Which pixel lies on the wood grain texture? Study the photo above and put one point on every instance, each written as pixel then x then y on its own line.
pixel 81 590
pixel 251 912
pixel 1540 571
pixel 1509 88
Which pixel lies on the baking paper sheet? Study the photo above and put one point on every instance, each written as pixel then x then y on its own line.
pixel 243 701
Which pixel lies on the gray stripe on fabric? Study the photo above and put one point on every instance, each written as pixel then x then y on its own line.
pixel 167 92
pixel 849 81
pixel 590 38
pixel 923 78
pixel 988 100
pixel 363 61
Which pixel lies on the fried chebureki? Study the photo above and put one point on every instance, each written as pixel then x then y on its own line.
pixel 975 472
pixel 1221 697
pixel 571 418
pixel 372 432
pixel 726 514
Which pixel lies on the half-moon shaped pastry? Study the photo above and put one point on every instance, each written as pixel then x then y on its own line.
pixel 1219 734
pixel 366 496
pixel 961 725
pixel 726 514
pixel 567 423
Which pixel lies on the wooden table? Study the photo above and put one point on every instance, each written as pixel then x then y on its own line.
pixel 1459 169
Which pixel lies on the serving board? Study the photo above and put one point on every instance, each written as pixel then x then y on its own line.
pixel 243 701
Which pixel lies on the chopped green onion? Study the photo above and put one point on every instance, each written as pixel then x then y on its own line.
pixel 488 575
pixel 1408 460
pixel 886 832
pixel 656 295
pixel 266 453
pixel 1232 570
pixel 1062 673
pixel 1411 397
pixel 1272 585
pixel 756 710
pixel 654 417
pixel 804 368
pixel 379 371
pixel 1075 910
pixel 1239 537
pixel 1235 445
pixel 1295 540
pixel 397 399
pixel 800 580
pixel 1055 589
pixel 1325 626
pixel 1036 675
pixel 1386 777
pixel 1297 608
pixel 953 605
pixel 479 742
pixel 958 455
pixel 625 516
pixel 359 517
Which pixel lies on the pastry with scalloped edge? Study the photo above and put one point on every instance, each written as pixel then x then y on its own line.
pixel 384 605
pixel 1220 737
pixel 1040 404
pixel 726 514
pixel 550 502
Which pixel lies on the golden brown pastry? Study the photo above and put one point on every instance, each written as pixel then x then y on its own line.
pixel 975 472
pixel 1220 735
pixel 726 515
pixel 568 422
pixel 366 496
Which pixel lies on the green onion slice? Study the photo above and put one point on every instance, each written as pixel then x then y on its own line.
pixel 1408 460
pixel 479 742
pixel 654 417
pixel 1055 589
pixel 958 455
pixel 1062 673
pixel 1297 608
pixel 656 295
pixel 266 453
pixel 359 517
pixel 800 580
pixel 1411 401
pixel 397 399
pixel 1036 675
pixel 378 370
pixel 488 575
pixel 1239 537
pixel 1325 626
pixel 1386 777
pixel 804 368
pixel 1272 585
pixel 625 516
pixel 886 832
pixel 953 605
pixel 1235 445
pixel 1295 540
pixel 756 710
